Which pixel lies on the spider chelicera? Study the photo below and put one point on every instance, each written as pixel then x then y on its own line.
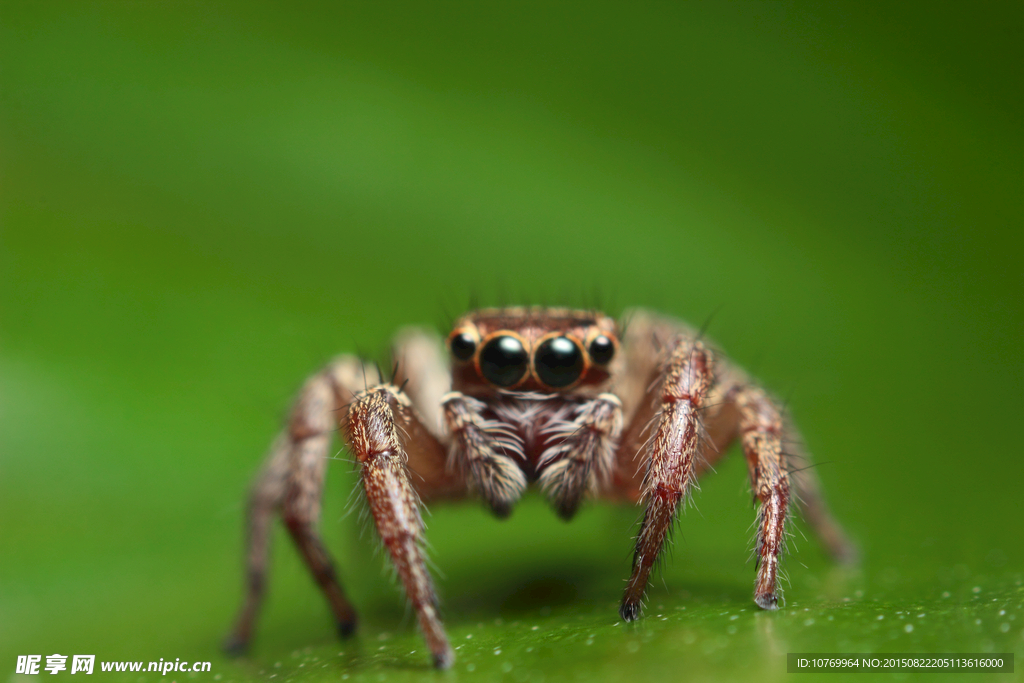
pixel 562 398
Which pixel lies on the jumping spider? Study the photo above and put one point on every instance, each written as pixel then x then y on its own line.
pixel 527 397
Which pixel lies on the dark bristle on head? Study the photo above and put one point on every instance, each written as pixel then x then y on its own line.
pixel 707 322
pixel 446 320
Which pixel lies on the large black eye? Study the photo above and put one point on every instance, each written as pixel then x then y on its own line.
pixel 558 362
pixel 601 350
pixel 503 361
pixel 463 346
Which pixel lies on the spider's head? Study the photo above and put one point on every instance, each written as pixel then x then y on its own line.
pixel 545 350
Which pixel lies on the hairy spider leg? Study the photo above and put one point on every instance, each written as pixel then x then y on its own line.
pixel 670 456
pixel 373 437
pixel 811 500
pixel 787 471
pixel 264 498
pixel 291 483
pixel 761 437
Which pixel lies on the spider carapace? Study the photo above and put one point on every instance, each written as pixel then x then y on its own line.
pixel 566 399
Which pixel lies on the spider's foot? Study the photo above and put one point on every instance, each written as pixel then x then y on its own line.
pixel 629 611
pixel 347 627
pixel 235 645
pixel 444 660
pixel 768 601
pixel 845 552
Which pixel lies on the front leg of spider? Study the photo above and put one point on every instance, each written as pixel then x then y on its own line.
pixel 373 437
pixel 686 380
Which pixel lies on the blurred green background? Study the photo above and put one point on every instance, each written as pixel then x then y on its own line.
pixel 200 204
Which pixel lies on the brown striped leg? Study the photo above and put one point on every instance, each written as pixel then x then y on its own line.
pixel 481 451
pixel 670 455
pixel 373 437
pixel 311 430
pixel 761 435
pixel 580 461
pixel 423 374
pixel 811 501
pixel 266 495
pixel 648 340
pixel 725 420
pixel 291 482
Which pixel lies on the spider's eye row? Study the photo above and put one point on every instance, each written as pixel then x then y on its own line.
pixel 558 362
pixel 503 361
pixel 602 350
pixel 463 345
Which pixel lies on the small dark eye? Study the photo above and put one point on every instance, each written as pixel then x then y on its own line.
pixel 503 361
pixel 558 362
pixel 601 350
pixel 463 346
